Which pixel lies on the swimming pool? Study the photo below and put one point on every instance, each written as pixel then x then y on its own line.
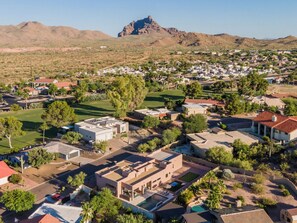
pixel 199 208
pixel 152 202
pixel 184 149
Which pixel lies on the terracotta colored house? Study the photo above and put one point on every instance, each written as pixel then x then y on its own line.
pixel 47 218
pixel 136 174
pixel 275 126
pixel 5 172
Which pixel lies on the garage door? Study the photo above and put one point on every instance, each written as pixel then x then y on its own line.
pixel 72 155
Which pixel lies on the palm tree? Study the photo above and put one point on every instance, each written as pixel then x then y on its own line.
pixel 87 212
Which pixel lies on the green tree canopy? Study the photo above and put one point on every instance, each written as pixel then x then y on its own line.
pixel 17 200
pixel 39 157
pixel 252 84
pixel 77 180
pixel 170 135
pixel 133 218
pixel 127 93
pixel 72 137
pixel 219 154
pixel 59 114
pixel 10 127
pixel 195 123
pixel 106 206
pixel 150 122
pixel 193 90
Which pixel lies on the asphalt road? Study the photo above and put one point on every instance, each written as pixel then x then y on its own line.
pixel 51 186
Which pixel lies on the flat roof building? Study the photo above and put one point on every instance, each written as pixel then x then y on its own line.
pixel 136 174
pixel 101 129
pixel 202 142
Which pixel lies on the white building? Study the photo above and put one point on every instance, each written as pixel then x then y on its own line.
pixel 101 129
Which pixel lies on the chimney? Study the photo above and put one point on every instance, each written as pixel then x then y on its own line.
pixel 274 118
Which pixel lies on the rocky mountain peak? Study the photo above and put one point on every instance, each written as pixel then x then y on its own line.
pixel 145 26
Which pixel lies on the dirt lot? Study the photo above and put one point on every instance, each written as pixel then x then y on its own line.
pixel 47 171
pixel 284 89
pixel 271 191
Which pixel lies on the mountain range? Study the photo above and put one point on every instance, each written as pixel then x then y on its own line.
pixel 29 34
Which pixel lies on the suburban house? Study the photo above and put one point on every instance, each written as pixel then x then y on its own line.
pixel 168 212
pixel 288 215
pixel 202 142
pixel 66 85
pixel 245 214
pixel 32 91
pixel 44 81
pixel 192 109
pixel 63 213
pixel 268 101
pixel 5 172
pixel 275 126
pixel 158 113
pixel 46 218
pixel 200 106
pixel 205 102
pixel 101 129
pixel 66 151
pixel 137 174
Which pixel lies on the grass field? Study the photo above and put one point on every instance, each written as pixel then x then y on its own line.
pixel 188 177
pixel 32 118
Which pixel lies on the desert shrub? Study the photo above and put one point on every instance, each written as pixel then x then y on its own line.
pixel 264 202
pixel 259 178
pixel 15 107
pixel 237 186
pixel 15 178
pixel 36 105
pixel 281 186
pixel 257 188
pixel 185 197
pixel 286 192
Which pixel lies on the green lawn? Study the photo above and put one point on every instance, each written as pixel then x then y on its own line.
pixel 32 118
pixel 188 177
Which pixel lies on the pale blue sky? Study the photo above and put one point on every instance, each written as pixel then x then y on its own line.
pixel 253 18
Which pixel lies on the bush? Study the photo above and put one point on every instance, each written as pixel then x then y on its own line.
pixel 142 148
pixel 237 186
pixel 266 202
pixel 281 186
pixel 257 188
pixel 15 107
pixel 185 197
pixel 259 178
pixel 150 122
pixel 36 105
pixel 72 137
pixel 286 192
pixel 15 178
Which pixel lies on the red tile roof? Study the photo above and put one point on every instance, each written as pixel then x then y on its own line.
pixel 47 218
pixel 65 84
pixel 5 170
pixel 204 101
pixel 283 123
pixel 30 89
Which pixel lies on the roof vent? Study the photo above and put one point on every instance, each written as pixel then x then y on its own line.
pixel 274 118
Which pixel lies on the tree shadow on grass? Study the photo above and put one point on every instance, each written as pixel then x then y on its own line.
pixel 89 110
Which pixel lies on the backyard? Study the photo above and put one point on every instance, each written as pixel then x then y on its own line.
pixel 32 118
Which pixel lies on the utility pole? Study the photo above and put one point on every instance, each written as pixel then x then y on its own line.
pixel 22 164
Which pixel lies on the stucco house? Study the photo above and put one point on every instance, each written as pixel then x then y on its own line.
pixel 5 172
pixel 137 174
pixel 101 129
pixel 288 215
pixel 275 126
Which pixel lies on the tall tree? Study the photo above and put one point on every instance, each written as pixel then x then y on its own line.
pixel 133 218
pixel 77 180
pixel 58 114
pixel 87 212
pixel 52 90
pixel 43 127
pixel 193 90
pixel 10 127
pixel 127 93
pixel 17 200
pixel 253 84
pixel 195 123
pixel 39 156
